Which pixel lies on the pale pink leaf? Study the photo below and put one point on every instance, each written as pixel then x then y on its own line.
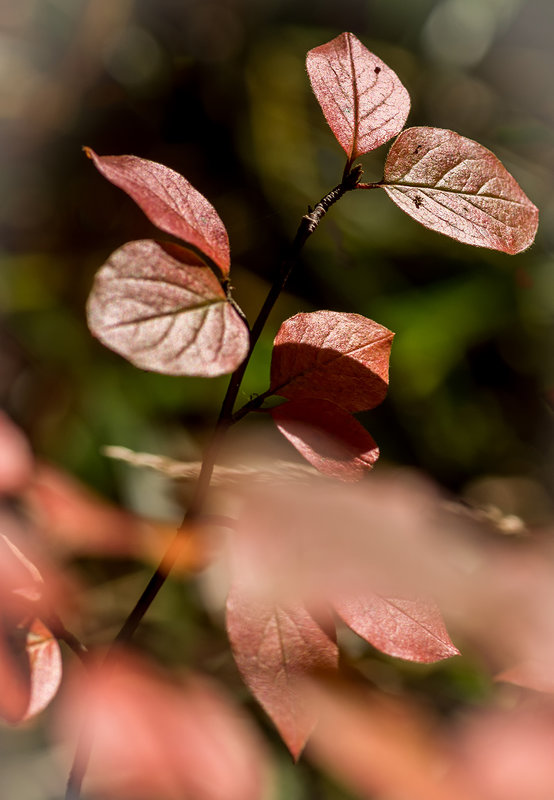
pixel 363 100
pixel 16 459
pixel 328 355
pixel 170 202
pixel 156 738
pixel 404 628
pixel 457 187
pixel 331 439
pixel 164 310
pixel 275 648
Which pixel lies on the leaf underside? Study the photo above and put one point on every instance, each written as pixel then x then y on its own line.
pixel 164 310
pixel 363 100
pixel 170 202
pixel 400 627
pixel 328 355
pixel 457 187
pixel 275 649
pixel 328 437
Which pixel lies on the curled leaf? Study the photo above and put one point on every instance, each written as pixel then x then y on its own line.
pixel 275 649
pixel 405 628
pixel 328 437
pixel 164 310
pixel 170 202
pixel 363 100
pixel 457 187
pixel 327 355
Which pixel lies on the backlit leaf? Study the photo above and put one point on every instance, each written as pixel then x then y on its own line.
pixel 363 100
pixel 30 670
pixel 327 355
pixel 328 437
pixel 456 186
pixel 275 648
pixel 409 629
pixel 164 310
pixel 170 202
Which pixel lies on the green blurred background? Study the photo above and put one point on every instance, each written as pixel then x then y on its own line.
pixel 217 90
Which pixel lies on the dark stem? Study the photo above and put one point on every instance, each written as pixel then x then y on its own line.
pixel 56 626
pixel 308 225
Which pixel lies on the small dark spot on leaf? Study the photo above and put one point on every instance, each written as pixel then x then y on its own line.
pixel 418 148
pixel 377 70
pixel 418 201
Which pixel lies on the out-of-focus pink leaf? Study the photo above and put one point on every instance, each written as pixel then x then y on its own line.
pixel 155 738
pixel 328 437
pixel 30 670
pixel 363 100
pixel 327 355
pixel 170 202
pixel 410 629
pixel 16 460
pixel 456 186
pixel 164 310
pixel 380 747
pixel 275 648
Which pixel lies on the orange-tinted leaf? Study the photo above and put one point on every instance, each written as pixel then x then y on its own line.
pixel 30 670
pixel 456 186
pixel 410 629
pixel 162 309
pixel 327 355
pixel 170 202
pixel 363 100
pixel 328 437
pixel 154 738
pixel 275 648
pixel 16 460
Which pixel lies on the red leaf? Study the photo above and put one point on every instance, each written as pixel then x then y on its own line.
pixel 327 355
pixel 275 649
pixel 328 437
pixel 409 629
pixel 456 186
pixel 163 310
pixel 363 101
pixel 16 460
pixel 45 660
pixel 30 670
pixel 170 202
pixel 153 738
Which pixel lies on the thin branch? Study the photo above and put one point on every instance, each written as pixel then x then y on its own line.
pixel 308 224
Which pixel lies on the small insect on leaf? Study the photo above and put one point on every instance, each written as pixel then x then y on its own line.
pixel 457 187
pixel 170 202
pixel 363 100
pixel 163 309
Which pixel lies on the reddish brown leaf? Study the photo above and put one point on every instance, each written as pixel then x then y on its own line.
pixel 410 629
pixel 154 738
pixel 456 186
pixel 328 437
pixel 363 100
pixel 16 460
pixel 163 310
pixel 275 648
pixel 30 670
pixel 170 202
pixel 327 355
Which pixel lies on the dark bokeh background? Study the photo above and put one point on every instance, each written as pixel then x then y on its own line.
pixel 217 90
